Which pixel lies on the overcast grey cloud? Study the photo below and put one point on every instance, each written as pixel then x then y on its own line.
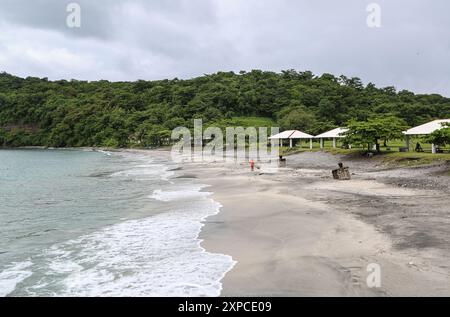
pixel 129 40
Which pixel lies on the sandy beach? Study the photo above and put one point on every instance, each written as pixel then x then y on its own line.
pixel 298 232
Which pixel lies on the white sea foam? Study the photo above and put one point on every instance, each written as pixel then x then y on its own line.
pixel 105 152
pixel 145 171
pixel 158 255
pixel 155 256
pixel 13 275
pixel 186 192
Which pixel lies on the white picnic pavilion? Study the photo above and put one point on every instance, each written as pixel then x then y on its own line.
pixel 332 134
pixel 293 135
pixel 425 129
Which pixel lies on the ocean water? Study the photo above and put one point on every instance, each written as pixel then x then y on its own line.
pixel 83 223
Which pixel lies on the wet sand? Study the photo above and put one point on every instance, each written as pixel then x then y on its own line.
pixel 298 232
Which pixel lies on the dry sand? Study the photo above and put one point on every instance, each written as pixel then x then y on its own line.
pixel 300 233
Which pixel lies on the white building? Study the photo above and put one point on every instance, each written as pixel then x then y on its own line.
pixel 293 135
pixel 333 134
pixel 425 129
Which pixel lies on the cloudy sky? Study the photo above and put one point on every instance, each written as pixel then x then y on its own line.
pixel 156 39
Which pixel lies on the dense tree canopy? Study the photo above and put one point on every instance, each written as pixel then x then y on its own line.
pixel 440 137
pixel 63 113
pixel 370 132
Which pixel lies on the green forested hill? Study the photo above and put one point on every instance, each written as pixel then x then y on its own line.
pixel 36 111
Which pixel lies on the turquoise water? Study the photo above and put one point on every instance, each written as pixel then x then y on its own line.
pixel 83 223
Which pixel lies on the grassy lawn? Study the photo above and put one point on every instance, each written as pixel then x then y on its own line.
pixel 413 159
pixel 390 156
pixel 303 146
pixel 397 159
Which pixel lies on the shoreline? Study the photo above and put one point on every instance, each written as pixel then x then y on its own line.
pixel 255 273
pixel 288 242
pixel 200 241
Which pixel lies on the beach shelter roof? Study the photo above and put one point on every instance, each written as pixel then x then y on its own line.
pixel 282 135
pixel 335 133
pixel 291 134
pixel 300 135
pixel 427 128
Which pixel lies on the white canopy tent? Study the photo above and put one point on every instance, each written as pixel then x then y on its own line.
pixel 425 129
pixel 293 135
pixel 332 134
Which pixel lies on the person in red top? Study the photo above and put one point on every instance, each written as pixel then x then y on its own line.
pixel 252 165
